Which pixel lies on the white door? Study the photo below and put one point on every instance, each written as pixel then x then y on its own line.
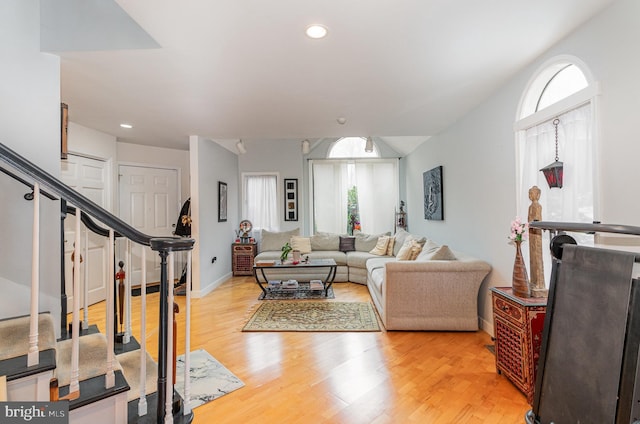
pixel 91 178
pixel 149 202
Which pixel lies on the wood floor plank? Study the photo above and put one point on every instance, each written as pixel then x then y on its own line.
pixel 351 378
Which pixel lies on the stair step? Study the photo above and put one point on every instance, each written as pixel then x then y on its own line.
pixel 130 363
pixel 151 417
pixel 14 335
pixel 16 368
pixel 92 390
pixel 92 359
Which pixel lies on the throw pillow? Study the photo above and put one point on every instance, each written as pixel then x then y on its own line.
pixel 404 254
pixel 303 244
pixel 392 242
pixel 347 244
pixel 381 246
pixel 443 254
pixel 274 240
pixel 416 248
pixel 401 236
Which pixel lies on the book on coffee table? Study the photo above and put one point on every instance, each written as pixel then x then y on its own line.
pixel 274 284
pixel 316 285
pixel 290 284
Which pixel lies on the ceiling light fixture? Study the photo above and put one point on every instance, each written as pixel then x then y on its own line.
pixel 306 147
pixel 241 147
pixel 368 147
pixel 316 31
pixel 127 126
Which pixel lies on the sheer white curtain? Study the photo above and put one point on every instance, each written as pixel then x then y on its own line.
pixel 261 201
pixel 330 186
pixel 377 183
pixel 574 201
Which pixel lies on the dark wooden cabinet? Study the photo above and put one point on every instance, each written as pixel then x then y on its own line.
pixel 518 324
pixel 242 258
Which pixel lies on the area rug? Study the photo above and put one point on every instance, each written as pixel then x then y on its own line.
pixel 302 292
pixel 209 378
pixel 313 316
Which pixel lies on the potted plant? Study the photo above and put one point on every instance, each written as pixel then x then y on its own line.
pixel 285 251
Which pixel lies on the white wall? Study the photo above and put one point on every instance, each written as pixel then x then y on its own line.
pixel 30 125
pixel 209 164
pixel 283 157
pixel 478 152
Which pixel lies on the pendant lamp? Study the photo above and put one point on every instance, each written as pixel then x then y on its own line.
pixel 554 172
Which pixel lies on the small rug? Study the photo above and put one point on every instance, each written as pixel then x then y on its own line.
pixel 302 292
pixel 313 316
pixel 209 378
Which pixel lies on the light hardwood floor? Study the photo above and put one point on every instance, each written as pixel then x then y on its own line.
pixel 381 377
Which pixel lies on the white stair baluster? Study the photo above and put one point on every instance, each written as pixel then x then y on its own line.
pixel 33 355
pixel 74 385
pixel 110 377
pixel 85 284
pixel 168 416
pixel 127 296
pixel 142 402
pixel 187 337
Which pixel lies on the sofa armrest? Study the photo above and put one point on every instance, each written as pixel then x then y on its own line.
pixel 442 293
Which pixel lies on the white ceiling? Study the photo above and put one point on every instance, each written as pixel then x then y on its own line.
pixel 230 69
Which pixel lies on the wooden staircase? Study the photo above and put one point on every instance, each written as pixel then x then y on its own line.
pixel 84 369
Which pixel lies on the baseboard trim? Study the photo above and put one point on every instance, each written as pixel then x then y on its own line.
pixel 486 326
pixel 211 287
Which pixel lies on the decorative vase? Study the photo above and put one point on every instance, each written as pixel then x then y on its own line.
pixel 520 281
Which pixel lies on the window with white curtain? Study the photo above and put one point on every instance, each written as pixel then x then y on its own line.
pixel 260 200
pixel 376 183
pixel 562 91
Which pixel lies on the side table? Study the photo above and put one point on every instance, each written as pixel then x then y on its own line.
pixel 242 258
pixel 518 325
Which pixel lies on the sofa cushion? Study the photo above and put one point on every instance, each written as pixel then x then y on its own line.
pixel 381 246
pixel 325 241
pixel 357 259
pixel 347 244
pixel 378 262
pixel 274 240
pixel 401 236
pixel 443 254
pixel 392 242
pixel 366 242
pixel 303 244
pixel 339 257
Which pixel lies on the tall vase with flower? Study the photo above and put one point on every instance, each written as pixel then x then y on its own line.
pixel 520 280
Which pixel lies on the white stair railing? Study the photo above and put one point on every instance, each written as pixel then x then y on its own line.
pixel 126 338
pixel 142 402
pixel 33 355
pixel 74 385
pixel 85 285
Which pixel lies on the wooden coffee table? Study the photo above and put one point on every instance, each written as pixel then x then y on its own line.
pixel 262 268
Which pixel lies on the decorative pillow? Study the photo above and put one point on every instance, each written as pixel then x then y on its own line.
pixel 347 244
pixel 381 246
pixel 428 250
pixel 274 240
pixel 325 241
pixel 404 254
pixel 416 248
pixel 366 242
pixel 443 254
pixel 401 236
pixel 392 242
pixel 303 244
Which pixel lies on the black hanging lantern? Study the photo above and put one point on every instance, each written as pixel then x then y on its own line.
pixel 553 173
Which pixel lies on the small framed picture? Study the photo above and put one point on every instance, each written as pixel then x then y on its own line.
pixel 222 201
pixel 291 199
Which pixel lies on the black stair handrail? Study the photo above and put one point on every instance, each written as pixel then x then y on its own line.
pixel 87 206
pixel 91 224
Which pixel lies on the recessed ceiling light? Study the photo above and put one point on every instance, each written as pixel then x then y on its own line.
pixel 316 31
pixel 127 126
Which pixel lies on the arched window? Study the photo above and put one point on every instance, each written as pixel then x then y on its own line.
pixel 353 147
pixel 562 89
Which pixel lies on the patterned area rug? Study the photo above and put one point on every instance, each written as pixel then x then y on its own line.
pixel 302 292
pixel 313 316
pixel 209 378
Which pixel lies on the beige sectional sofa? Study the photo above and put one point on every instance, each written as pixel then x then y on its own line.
pixel 437 290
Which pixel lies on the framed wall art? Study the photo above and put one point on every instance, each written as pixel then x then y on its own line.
pixel 433 206
pixel 222 201
pixel 290 199
pixel 64 126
